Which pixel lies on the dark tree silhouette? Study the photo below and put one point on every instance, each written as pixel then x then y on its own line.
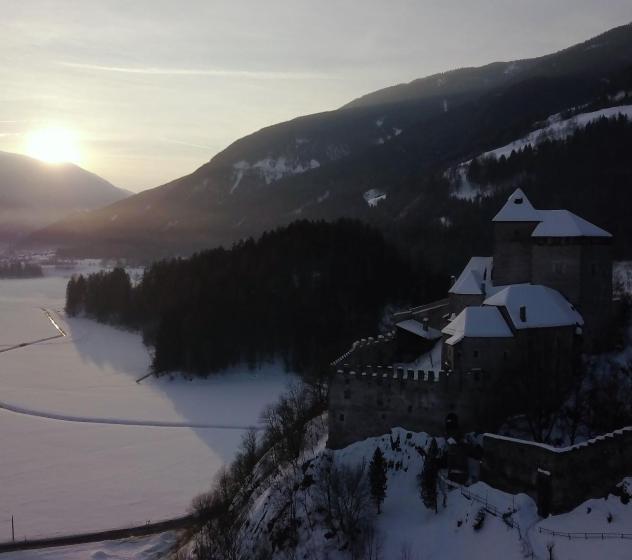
pixel 429 475
pixel 301 294
pixel 378 478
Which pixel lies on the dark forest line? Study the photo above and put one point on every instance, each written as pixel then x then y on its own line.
pixel 20 269
pixel 301 293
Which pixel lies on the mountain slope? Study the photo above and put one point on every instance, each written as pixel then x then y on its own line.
pixel 34 194
pixel 367 160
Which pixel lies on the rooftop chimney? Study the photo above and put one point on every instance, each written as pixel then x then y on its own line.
pixel 452 280
pixel 425 323
pixel 523 313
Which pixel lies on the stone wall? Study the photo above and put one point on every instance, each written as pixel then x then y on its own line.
pixel 512 252
pixel 474 353
pixel 557 264
pixel 369 401
pixel 581 270
pixel 458 302
pixel 558 479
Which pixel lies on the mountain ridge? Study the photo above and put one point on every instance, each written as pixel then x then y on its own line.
pixel 322 166
pixel 34 193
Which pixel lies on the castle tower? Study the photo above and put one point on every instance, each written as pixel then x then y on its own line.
pixel 574 257
pixel 513 227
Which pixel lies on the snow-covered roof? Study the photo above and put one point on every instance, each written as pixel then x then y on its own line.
pixel 417 328
pixel 551 223
pixel 544 307
pixel 477 271
pixel 517 209
pixel 562 223
pixel 479 322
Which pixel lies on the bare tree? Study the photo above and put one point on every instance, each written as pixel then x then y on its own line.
pixel 344 493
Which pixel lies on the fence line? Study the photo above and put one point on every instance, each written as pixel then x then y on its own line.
pixel 585 535
pixel 491 508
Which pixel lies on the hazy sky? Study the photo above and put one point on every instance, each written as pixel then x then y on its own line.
pixel 154 88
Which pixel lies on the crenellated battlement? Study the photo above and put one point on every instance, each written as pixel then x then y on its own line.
pixel 572 474
pixel 391 373
pixel 364 344
pixel 367 400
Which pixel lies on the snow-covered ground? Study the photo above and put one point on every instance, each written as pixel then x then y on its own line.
pixel 85 447
pixel 374 196
pixel 271 169
pixel 154 547
pixel 406 529
pixel 622 277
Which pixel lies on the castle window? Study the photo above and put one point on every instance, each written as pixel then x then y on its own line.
pixel 516 234
pixel 593 269
pixel 383 416
pixel 380 402
pixel 475 353
pixel 347 394
pixel 506 354
pixel 347 381
pixel 341 417
pixel 410 408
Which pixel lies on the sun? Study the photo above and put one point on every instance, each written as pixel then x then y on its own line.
pixel 53 145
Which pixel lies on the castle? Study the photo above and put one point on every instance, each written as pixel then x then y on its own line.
pixel 521 316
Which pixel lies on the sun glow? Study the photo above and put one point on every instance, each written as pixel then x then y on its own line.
pixel 53 145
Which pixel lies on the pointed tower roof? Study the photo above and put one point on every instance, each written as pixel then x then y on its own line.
pixel 517 209
pixel 562 223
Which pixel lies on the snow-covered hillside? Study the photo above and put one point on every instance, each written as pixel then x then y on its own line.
pixel 86 447
pixel 558 128
pixel 270 169
pixel 288 516
pixel 554 127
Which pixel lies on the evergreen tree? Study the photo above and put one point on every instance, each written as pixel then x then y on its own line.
pixel 75 295
pixel 429 476
pixel 378 478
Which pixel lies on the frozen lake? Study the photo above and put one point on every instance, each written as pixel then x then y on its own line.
pixel 85 447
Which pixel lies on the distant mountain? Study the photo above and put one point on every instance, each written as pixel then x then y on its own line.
pixel 371 159
pixel 34 194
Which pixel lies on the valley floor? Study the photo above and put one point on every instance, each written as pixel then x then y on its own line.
pixel 85 447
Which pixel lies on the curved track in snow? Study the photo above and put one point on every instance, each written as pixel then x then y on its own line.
pixel 118 421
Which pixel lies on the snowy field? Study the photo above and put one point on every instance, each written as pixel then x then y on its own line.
pixel 85 447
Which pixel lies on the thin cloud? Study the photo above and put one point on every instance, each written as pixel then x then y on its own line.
pixel 182 143
pixel 216 72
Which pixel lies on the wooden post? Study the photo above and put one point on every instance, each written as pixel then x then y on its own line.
pixel 12 530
